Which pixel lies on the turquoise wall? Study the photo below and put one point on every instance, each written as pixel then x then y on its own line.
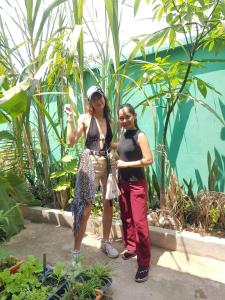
pixel 193 130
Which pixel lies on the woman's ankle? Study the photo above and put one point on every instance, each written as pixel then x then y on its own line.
pixel 75 251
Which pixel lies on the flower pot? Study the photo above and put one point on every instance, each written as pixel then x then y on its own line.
pixel 63 286
pixel 98 292
pixel 49 279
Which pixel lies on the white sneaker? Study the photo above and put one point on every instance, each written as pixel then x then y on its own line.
pixel 75 257
pixel 108 249
pixel 75 252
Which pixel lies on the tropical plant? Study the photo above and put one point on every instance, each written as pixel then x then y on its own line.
pixel 53 58
pixel 13 191
pixel 3 219
pixel 97 206
pixel 213 173
pixel 115 76
pixel 64 180
pixel 112 9
pixel 190 191
pixel 51 52
pixel 193 26
pixel 35 25
pixel 88 282
pixel 52 55
pixel 4 222
pixel 153 189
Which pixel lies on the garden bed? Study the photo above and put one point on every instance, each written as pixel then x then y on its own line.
pixel 35 281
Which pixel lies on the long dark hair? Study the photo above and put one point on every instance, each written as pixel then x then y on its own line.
pixel 131 111
pixel 107 113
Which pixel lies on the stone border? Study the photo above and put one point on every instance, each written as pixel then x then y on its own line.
pixel 185 241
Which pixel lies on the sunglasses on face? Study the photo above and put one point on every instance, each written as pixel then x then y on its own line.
pixel 96 97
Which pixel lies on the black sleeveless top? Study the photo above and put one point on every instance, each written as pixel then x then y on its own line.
pixel 93 136
pixel 129 150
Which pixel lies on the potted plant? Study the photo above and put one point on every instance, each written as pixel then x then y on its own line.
pixel 88 282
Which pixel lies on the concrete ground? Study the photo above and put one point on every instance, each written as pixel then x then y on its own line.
pixel 174 275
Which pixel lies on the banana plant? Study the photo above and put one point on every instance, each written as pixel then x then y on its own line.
pixel 63 180
pixel 13 191
pixel 14 101
pixel 12 105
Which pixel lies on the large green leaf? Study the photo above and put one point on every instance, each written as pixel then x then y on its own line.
pixel 15 99
pixel 13 190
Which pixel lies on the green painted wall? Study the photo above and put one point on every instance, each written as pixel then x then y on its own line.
pixel 193 130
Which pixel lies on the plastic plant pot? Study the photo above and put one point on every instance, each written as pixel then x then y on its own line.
pixel 49 279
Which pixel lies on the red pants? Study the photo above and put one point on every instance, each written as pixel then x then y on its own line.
pixel 133 205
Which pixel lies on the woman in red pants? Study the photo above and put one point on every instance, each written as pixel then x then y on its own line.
pixel 134 154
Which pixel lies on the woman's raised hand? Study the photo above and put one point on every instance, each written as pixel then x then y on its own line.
pixel 70 113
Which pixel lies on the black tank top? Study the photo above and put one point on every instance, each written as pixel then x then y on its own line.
pixel 93 136
pixel 129 150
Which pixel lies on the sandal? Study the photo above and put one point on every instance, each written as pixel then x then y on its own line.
pixel 126 255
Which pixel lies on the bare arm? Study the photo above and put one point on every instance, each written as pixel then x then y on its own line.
pixel 146 152
pixel 73 134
